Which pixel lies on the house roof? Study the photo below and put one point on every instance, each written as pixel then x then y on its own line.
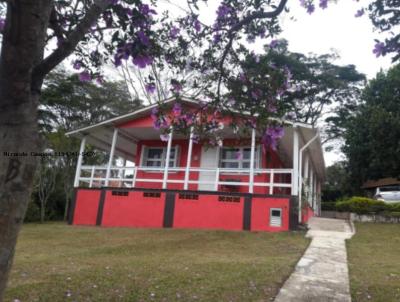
pixel 100 136
pixel 371 184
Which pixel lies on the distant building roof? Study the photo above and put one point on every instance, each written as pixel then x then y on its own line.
pixel 370 184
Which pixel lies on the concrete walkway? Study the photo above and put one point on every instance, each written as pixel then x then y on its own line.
pixel 321 275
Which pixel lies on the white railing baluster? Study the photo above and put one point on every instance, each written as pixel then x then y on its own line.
pixel 92 176
pixel 134 177
pixel 216 180
pixel 271 182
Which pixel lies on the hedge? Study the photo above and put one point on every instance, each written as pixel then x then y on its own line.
pixel 363 205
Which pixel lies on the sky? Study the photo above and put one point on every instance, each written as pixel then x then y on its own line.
pixel 335 28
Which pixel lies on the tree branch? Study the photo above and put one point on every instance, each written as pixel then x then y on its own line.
pixel 69 45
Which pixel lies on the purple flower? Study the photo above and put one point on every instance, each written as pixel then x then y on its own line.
pixel 272 108
pixel 242 77
pixel 256 94
pixel 145 10
pixel 99 80
pixel 323 4
pixel 176 86
pixel 197 25
pixel 379 49
pixel 164 137
pixel 177 109
pixel 2 24
pixel 142 61
pixel 173 33
pixel 310 8
pixel 143 38
pixel 85 76
pixel 195 139
pixel 271 136
pixel 157 124
pixel 150 88
pixel 154 114
pixel 359 13
pixel 223 10
pixel 274 43
pixel 216 38
pixel 77 65
pixel 113 2
pixel 290 115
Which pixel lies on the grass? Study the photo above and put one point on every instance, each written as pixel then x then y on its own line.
pixel 374 262
pixel 56 262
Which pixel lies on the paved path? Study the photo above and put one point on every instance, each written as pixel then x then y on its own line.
pixel 321 275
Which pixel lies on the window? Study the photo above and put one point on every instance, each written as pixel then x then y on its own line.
pixel 275 217
pixel 238 158
pixel 155 156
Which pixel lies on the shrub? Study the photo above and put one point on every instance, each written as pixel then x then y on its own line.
pixel 393 207
pixel 361 205
pixel 328 206
pixel 32 213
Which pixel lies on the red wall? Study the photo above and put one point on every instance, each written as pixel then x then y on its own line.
pixel 133 210
pixel 86 207
pixel 307 213
pixel 273 162
pixel 208 213
pixel 260 212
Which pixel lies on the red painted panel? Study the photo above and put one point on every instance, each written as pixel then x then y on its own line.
pixel 208 213
pixel 87 203
pixel 260 213
pixel 133 210
pixel 307 214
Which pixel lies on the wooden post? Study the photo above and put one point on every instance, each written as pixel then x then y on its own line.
pixel 112 151
pixel 79 163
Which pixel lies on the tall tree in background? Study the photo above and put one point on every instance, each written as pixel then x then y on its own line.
pixel 67 104
pixel 372 132
pixel 100 32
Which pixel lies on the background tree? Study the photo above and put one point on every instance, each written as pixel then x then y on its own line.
pixel 45 183
pixel 337 184
pixel 372 134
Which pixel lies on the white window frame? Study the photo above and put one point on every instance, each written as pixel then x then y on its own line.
pixel 257 160
pixel 146 149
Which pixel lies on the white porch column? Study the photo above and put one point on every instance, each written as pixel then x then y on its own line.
pixel 112 151
pixel 312 191
pixel 79 163
pixel 295 175
pixel 188 160
pixel 252 155
pixel 164 183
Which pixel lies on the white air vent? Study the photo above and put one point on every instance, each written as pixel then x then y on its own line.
pixel 275 217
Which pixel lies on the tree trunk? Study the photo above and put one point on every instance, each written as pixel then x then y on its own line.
pixel 66 209
pixel 22 48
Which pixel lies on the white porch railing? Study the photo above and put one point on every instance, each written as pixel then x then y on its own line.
pixel 127 177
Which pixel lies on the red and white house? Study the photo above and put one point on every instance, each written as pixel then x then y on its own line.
pixel 199 186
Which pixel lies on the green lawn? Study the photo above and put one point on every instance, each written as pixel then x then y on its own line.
pixel 374 262
pixel 56 262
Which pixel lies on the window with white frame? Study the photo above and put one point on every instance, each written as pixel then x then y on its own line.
pixel 238 157
pixel 156 156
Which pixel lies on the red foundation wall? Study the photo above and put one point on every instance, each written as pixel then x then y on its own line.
pixel 260 213
pixel 86 207
pixel 307 213
pixel 133 210
pixel 208 213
